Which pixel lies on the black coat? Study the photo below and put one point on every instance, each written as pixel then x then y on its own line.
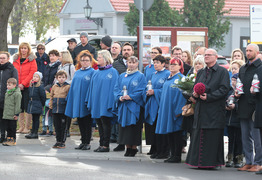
pixel 42 62
pixel 247 101
pixel 37 99
pixel 49 74
pixel 119 65
pixel 211 113
pixel 258 115
pixel 7 71
pixel 231 115
pixel 186 68
pixel 80 48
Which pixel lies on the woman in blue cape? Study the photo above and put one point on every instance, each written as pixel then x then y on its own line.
pixel 170 111
pixel 100 98
pixel 128 95
pixel 159 146
pixel 76 106
pixel 150 69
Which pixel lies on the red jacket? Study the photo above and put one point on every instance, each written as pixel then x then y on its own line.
pixel 25 70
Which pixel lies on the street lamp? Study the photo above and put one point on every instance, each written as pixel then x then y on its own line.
pixel 88 11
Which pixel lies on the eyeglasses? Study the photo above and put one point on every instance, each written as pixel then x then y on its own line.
pixel 153 52
pixel 85 60
pixel 209 54
pixel 40 48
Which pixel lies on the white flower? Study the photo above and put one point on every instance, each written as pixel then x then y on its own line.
pixel 192 76
pixel 176 81
pixel 187 78
pixel 183 79
pixel 194 80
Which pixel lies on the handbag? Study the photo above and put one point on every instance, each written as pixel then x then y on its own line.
pixel 187 110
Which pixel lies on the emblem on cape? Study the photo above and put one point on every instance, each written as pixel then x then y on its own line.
pixel 161 81
pixel 109 76
pixel 134 83
pixel 87 78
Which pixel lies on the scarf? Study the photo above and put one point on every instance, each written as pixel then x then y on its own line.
pixel 105 67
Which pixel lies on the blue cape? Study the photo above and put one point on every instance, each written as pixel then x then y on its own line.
pixel 152 102
pixel 149 71
pixel 129 111
pixel 171 104
pixel 76 106
pixel 100 97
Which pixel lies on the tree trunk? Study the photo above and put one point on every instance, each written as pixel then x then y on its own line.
pixel 16 21
pixel 6 7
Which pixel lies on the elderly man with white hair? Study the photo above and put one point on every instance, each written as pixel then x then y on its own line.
pixel 207 147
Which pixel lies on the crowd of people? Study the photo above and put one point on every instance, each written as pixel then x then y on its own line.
pixel 106 86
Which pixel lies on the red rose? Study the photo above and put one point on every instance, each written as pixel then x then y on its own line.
pixel 200 88
pixel 45 62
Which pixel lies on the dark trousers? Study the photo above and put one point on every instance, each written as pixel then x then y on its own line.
pixel 25 99
pixel 175 141
pixel 10 127
pixel 2 129
pixel 69 120
pixel 60 123
pixel 35 124
pixel 85 126
pixel 235 141
pixel 162 144
pixel 104 128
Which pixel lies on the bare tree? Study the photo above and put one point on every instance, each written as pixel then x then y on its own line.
pixel 6 7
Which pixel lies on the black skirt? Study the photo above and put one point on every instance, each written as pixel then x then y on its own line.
pixel 187 123
pixel 131 135
pixel 150 133
pixel 206 148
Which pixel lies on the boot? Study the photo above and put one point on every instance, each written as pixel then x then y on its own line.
pixel 127 151
pixel 11 142
pixel 239 161
pixel 28 120
pixel 229 162
pixel 7 140
pixel 21 120
pixel 133 152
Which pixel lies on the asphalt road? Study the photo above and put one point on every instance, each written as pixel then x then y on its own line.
pixel 35 159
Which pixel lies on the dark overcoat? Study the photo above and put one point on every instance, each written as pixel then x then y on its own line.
pixel 258 115
pixel 210 114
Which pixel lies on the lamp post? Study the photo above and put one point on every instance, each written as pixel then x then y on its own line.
pixel 88 11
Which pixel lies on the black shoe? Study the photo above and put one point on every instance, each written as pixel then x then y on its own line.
pixel 56 145
pixel 161 156
pixel 86 147
pixel 120 147
pixel 133 152
pixel 229 164
pixel 80 146
pixel 42 133
pixel 152 150
pixel 173 159
pixel 238 165
pixel 32 136
pixel 61 146
pixel 97 149
pixel 50 133
pixel 127 151
pixel 153 156
pixel 103 149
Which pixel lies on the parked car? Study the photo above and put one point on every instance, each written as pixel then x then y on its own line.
pixel 222 61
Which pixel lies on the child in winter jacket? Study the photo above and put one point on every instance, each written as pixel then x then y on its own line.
pixel 36 103
pixel 12 108
pixel 58 104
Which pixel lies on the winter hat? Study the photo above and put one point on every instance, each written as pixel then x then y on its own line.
pixel 83 34
pixel 72 40
pixel 39 74
pixel 235 76
pixel 107 40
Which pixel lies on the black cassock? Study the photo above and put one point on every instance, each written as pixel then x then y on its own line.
pixel 207 145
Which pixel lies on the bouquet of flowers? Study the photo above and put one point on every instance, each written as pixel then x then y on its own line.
pixel 186 84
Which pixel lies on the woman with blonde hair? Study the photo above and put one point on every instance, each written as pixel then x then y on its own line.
pixel 67 65
pixel 100 98
pixel 25 64
pixel 93 62
pixel 187 58
pixel 237 54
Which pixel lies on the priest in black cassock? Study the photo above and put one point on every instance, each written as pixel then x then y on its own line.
pixel 207 145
